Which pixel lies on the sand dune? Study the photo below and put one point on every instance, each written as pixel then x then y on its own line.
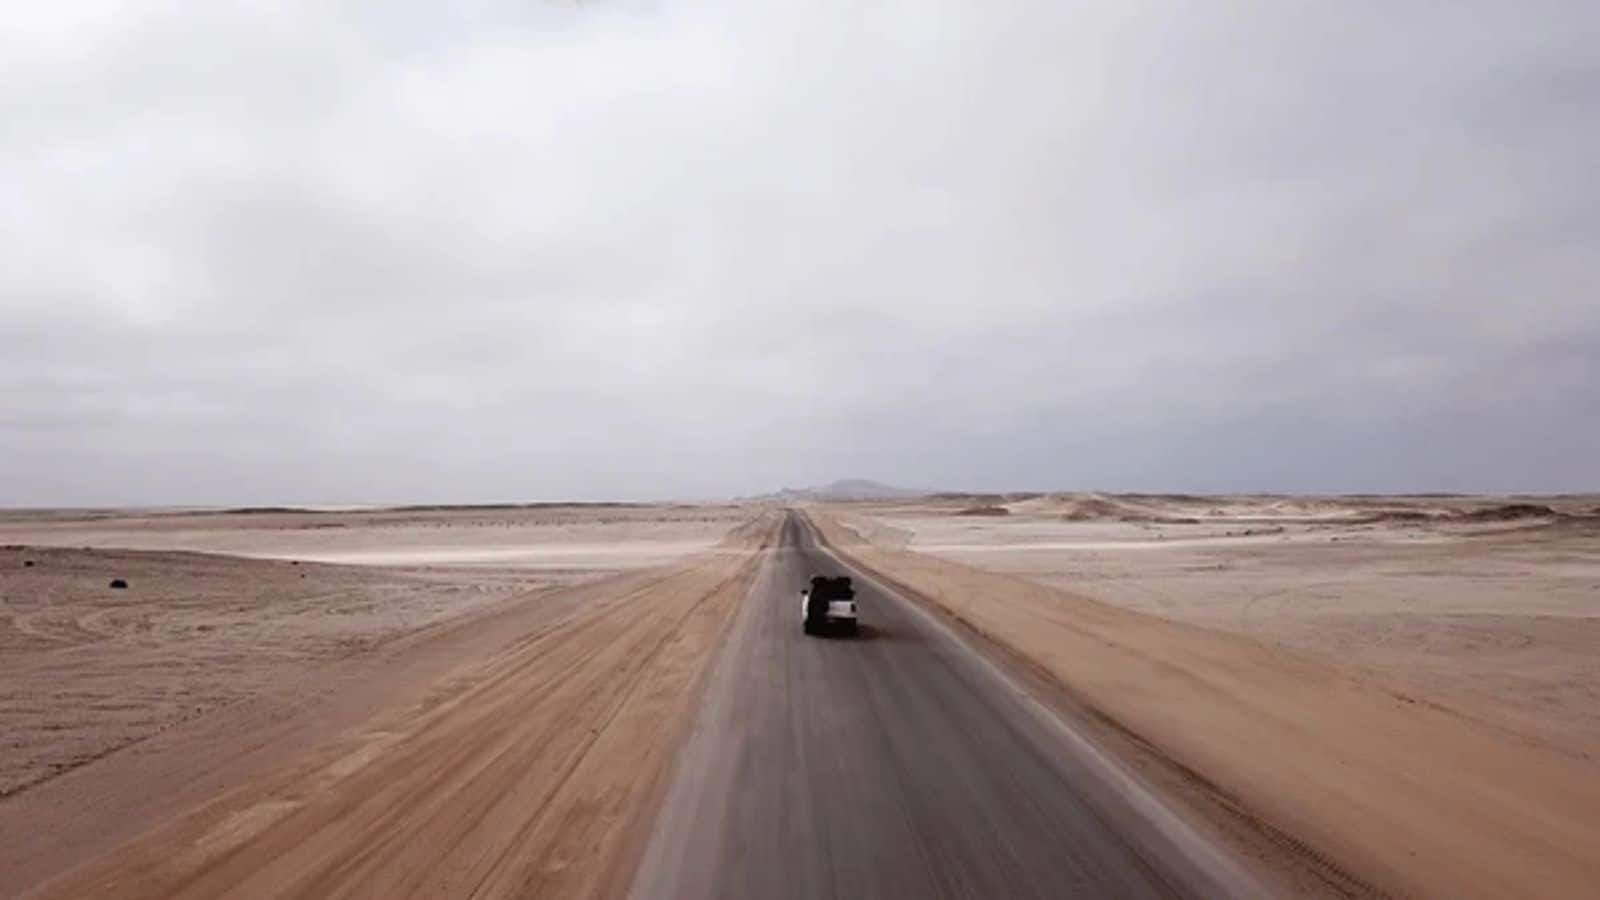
pixel 1194 509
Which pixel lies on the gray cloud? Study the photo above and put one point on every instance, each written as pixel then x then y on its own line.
pixel 389 252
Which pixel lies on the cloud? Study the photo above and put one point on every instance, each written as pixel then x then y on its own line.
pixel 392 252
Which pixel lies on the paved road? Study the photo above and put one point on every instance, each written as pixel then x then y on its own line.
pixel 898 764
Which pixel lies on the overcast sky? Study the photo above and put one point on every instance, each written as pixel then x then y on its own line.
pixel 368 252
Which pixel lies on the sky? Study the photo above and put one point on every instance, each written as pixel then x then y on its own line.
pixel 496 251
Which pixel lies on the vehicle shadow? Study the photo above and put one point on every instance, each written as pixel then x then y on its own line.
pixel 862 633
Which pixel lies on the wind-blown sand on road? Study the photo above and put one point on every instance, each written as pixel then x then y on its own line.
pixel 507 751
pixel 1394 795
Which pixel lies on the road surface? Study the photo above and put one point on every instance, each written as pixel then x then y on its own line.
pixel 895 764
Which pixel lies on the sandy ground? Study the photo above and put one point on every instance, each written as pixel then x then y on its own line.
pixel 120 708
pixel 1391 689
pixel 1386 791
pixel 531 771
pixel 554 538
pixel 85 669
pixel 1486 606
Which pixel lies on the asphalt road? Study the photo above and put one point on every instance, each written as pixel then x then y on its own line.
pixel 897 764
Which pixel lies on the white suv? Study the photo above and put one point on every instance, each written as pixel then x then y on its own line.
pixel 828 605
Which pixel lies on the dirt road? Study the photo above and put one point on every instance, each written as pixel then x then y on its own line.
pixel 896 764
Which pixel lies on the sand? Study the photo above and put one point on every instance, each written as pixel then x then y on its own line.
pixel 1379 790
pixel 1398 693
pixel 85 669
pixel 1446 599
pixel 580 538
pixel 531 771
pixel 126 709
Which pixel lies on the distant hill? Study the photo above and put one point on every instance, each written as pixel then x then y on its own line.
pixel 844 489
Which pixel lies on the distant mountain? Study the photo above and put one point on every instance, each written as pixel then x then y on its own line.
pixel 844 489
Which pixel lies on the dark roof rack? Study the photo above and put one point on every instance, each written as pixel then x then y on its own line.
pixel 836 587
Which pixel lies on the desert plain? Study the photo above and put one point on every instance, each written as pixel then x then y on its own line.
pixel 252 642
pixel 1399 691
pixel 1366 696
pixel 1488 606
